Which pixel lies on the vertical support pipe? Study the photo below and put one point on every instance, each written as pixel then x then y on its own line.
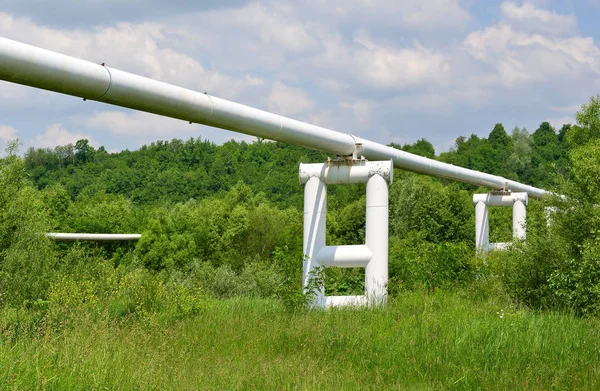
pixel 482 227
pixel 315 209
pixel 376 272
pixel 519 218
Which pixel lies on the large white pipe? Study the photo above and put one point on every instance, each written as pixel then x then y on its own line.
pixel 315 218
pixel 35 67
pixel 347 256
pixel 376 239
pixel 482 226
pixel 519 219
pixel 91 237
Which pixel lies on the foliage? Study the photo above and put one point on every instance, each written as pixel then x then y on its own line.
pixel 227 219
pixel 423 205
pixel 26 256
pixel 559 266
pixel 417 264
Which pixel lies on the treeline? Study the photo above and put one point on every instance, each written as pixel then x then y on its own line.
pixel 177 171
pixel 227 220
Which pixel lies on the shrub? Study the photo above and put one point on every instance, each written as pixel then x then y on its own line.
pixel 415 263
pixel 27 257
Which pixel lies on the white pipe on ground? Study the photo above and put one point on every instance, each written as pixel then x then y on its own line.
pixel 91 237
pixel 35 67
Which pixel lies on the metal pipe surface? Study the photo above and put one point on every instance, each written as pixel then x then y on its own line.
pixel 92 237
pixel 39 68
pixel 347 256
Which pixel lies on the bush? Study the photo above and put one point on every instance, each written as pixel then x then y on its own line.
pixel 418 264
pixel 27 258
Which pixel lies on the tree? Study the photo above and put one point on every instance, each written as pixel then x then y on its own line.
pixel 84 152
pixel 421 147
pixel 520 159
pixel 499 138
pixel 502 146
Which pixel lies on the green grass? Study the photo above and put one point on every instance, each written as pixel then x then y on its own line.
pixel 445 340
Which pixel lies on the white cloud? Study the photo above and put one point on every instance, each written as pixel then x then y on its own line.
pixel 388 67
pixel 7 133
pixel 407 14
pixel 531 45
pixel 360 108
pixel 534 19
pixel 365 63
pixel 57 135
pixel 135 123
pixel 286 100
pixel 520 57
pixel 273 25
pixel 145 128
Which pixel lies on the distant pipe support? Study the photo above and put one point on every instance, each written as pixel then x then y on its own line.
pixel 518 201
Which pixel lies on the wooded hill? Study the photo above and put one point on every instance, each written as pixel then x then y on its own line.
pixel 227 219
pixel 180 170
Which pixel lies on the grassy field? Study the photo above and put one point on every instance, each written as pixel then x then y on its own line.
pixel 444 340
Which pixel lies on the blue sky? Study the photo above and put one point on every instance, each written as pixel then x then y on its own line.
pixel 386 70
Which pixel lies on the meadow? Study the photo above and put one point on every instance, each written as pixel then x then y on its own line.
pixel 442 340
pixel 211 298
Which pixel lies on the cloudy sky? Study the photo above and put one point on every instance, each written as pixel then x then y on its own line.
pixel 387 70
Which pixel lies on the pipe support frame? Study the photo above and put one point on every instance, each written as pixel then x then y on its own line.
pixel 373 255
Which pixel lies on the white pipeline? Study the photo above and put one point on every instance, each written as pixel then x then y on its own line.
pixel 35 67
pixel 91 237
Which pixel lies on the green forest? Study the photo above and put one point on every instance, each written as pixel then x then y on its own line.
pixel 221 250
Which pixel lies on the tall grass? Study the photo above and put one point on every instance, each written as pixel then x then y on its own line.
pixel 441 340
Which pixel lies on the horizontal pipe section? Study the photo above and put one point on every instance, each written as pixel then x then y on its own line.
pixel 40 68
pixel 344 256
pixel 423 165
pixel 346 171
pixel 35 67
pixel 61 237
pixel 500 199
